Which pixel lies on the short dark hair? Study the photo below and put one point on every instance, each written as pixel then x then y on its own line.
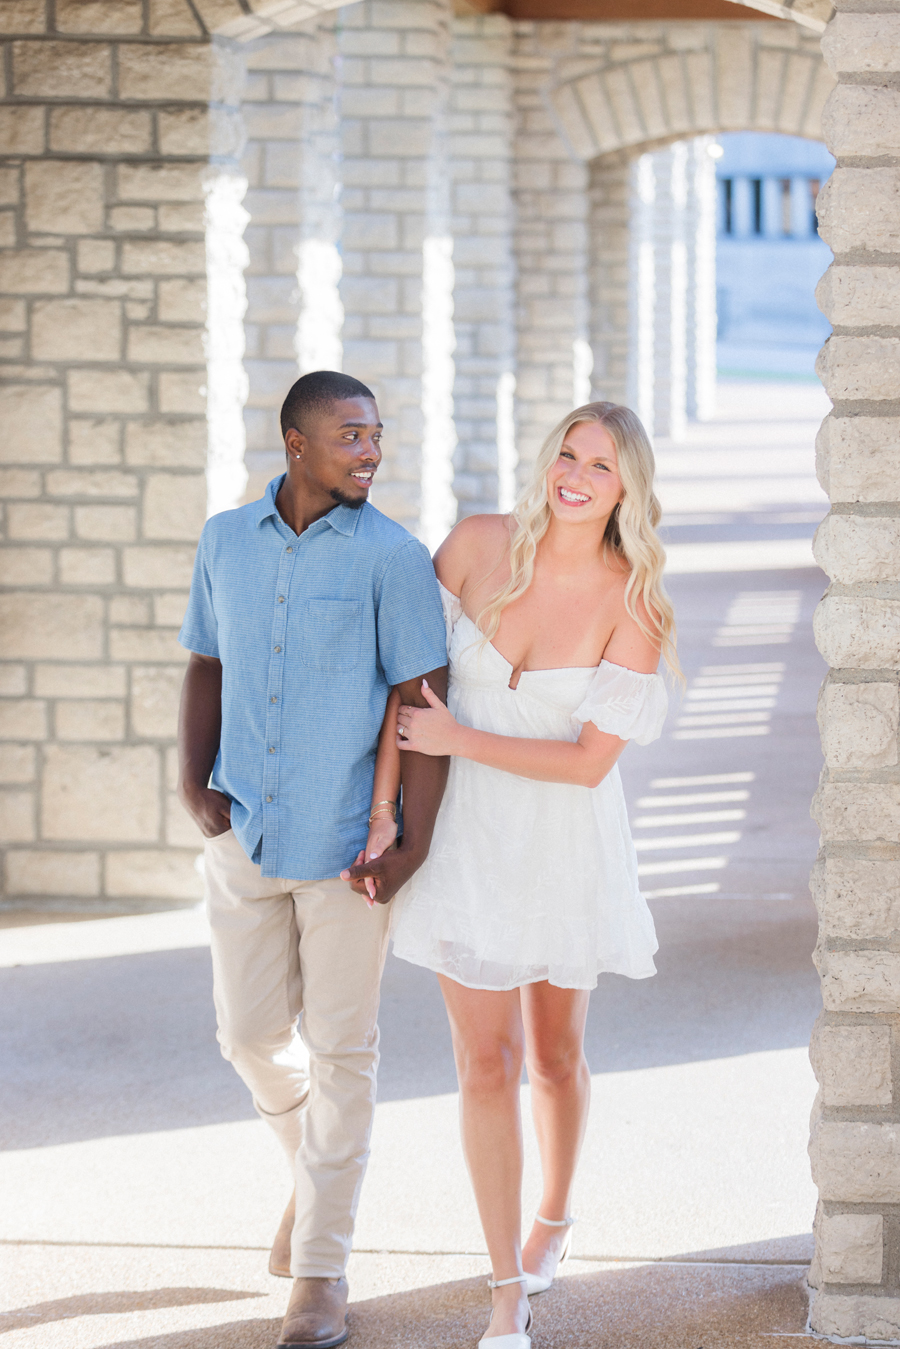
pixel 316 393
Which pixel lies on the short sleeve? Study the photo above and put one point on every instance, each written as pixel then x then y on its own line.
pixel 200 629
pixel 411 634
pixel 453 610
pixel 625 703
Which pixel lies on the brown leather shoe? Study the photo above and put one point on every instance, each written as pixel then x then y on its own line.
pixel 316 1315
pixel 280 1259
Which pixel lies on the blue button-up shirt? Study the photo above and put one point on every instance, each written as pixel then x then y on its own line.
pixel 312 631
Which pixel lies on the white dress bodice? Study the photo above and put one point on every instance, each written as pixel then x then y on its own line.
pixel 530 880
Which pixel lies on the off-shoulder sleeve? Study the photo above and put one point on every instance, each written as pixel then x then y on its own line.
pixel 452 610
pixel 625 703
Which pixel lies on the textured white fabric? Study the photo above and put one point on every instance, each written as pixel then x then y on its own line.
pixel 625 703
pixel 531 880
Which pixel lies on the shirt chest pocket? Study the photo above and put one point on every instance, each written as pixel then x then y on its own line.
pixel 330 641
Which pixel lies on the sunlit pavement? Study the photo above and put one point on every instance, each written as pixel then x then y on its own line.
pixel 140 1192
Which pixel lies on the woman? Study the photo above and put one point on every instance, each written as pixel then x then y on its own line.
pixel 557 617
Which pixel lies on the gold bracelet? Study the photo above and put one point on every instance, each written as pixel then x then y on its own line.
pixel 392 804
pixel 381 815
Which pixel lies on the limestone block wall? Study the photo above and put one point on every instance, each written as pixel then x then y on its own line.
pixel 397 284
pixel 855 1145
pixel 107 119
pixel 551 242
pixel 610 288
pixel 480 146
pixel 291 162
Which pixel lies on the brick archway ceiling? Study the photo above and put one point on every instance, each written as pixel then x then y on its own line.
pixel 811 13
pixel 734 79
pixel 248 19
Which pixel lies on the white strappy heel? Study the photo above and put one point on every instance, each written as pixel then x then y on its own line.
pixel 534 1283
pixel 521 1338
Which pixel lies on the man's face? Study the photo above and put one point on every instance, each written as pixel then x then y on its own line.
pixel 338 454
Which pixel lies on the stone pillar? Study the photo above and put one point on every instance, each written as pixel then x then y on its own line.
pixel 653 283
pixel 855 1145
pixel 551 196
pixel 670 292
pixel 801 208
pixel 610 283
pixel 741 207
pixel 700 237
pixel 642 292
pixel 397 285
pixel 290 161
pixel 107 131
pixel 480 149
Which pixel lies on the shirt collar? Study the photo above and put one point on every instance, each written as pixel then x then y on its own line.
pixel 343 518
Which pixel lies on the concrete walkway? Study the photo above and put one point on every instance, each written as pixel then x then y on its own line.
pixel 140 1192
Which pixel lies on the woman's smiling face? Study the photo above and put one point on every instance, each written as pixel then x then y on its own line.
pixel 584 485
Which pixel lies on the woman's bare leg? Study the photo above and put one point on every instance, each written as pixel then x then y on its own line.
pixel 489 1045
pixel 560 1081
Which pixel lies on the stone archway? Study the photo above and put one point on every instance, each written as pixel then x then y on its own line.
pixel 746 78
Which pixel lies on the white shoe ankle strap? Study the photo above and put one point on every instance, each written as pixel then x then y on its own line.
pixel 555 1222
pixel 501 1283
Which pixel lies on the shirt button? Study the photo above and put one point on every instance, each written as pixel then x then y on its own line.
pixel 268 798
pixel 281 599
pixel 271 749
pixel 273 699
pixel 288 550
pixel 278 648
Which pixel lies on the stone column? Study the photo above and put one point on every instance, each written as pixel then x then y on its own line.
pixel 653 283
pixel 670 293
pixel 700 237
pixel 855 1145
pixel 642 292
pixel 290 161
pixel 610 283
pixel 397 285
pixel 480 150
pixel 107 132
pixel 551 197
pixel 801 208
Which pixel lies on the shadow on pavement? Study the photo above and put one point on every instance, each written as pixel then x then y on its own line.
pixel 110 1304
pixel 673 1306
pixel 126 1044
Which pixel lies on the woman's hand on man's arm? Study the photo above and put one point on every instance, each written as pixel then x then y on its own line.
pixel 423 779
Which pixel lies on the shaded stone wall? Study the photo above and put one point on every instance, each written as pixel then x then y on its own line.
pixel 855 1145
pixel 106 128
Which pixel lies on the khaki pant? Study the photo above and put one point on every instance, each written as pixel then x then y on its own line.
pixel 284 949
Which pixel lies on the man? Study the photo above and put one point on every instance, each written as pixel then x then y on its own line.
pixel 305 608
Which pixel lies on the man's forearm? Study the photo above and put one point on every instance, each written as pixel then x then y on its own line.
pixel 199 723
pixel 423 779
pixel 422 776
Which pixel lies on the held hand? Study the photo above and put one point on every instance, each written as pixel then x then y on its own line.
pixel 386 874
pixel 382 834
pixel 428 730
pixel 210 809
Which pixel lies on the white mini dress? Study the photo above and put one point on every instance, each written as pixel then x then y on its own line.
pixel 531 880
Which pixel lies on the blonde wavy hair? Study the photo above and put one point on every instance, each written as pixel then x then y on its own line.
pixel 630 532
